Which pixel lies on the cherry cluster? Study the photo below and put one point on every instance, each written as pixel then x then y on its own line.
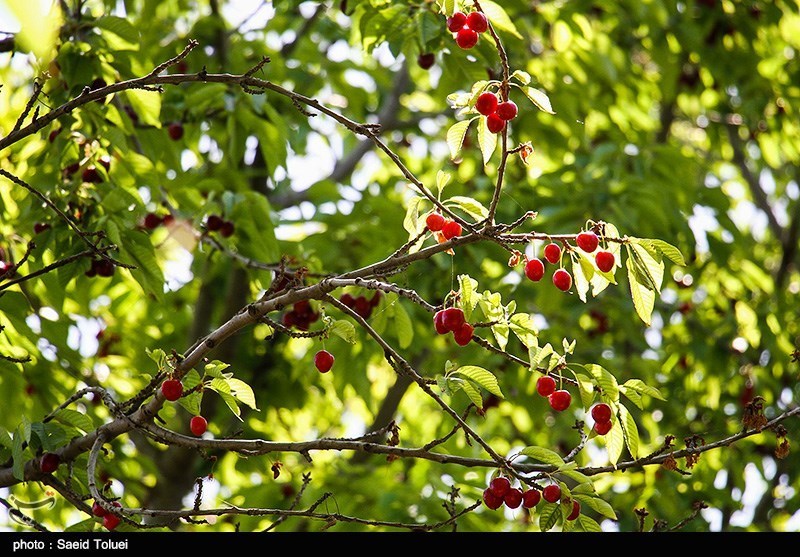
pixel 562 279
pixel 500 492
pixel 601 414
pixel 301 316
pixel 497 113
pixel 467 28
pixel 360 304
pixel 559 399
pixel 447 227
pixel 154 220
pixel 110 520
pixel 452 320
pixel 215 223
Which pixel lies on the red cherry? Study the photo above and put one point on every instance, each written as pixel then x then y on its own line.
pixel 601 412
pixel 576 510
pixel 426 60
pixel 152 220
pixel 587 241
pixel 507 110
pixel 172 389
pixel 98 510
pixel 562 279
pixel 434 222
pixel 348 300
pixel 456 22
pixel 175 131
pixel 605 260
pixel 438 323
pixel 491 500
pixel 534 269
pixel 111 521
pixel 40 227
pixel 324 361
pixel 214 222
pixel 49 463
pixel 466 38
pixel 227 229
pixel 198 425
pixel 91 174
pixel 451 229
pixel 453 318
pixel 103 267
pixel 513 498
pixel 477 22
pixel 552 493
pixel 552 252
pixel 500 486
pixel 560 400
pixel 486 103
pixel 494 123
pixel 530 498
pixel 603 427
pixel 546 385
pixel 463 334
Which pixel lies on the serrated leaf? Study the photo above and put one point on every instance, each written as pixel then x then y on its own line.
pixel 482 377
pixel 580 279
pixel 524 78
pixel 118 26
pixel 596 504
pixel 549 514
pixel 411 222
pixel 147 105
pixel 498 17
pixel 242 392
pixel 632 395
pixel 75 419
pixel 630 430
pixel 403 326
pixel 221 387
pixel 429 27
pixel 448 7
pixel 345 330
pixel 587 524
pixel 586 389
pixel 543 353
pixel 191 402
pixel 643 298
pixel 487 140
pixel 522 326
pixel 569 347
pixel 606 380
pixel 576 476
pixel 442 179
pixel 137 248
pixel 157 355
pixel 472 207
pixel 455 137
pixel 468 298
pixel 649 265
pixel 539 98
pixel 615 442
pixel 543 455
pixel 666 249
pixel 472 392
pixel 641 387
pixel 214 369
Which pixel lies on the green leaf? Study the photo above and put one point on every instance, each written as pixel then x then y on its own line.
pixel 667 250
pixel 538 98
pixel 472 207
pixel 596 504
pixel 411 222
pixel 640 387
pixel 608 383
pixel 541 354
pixel 580 275
pixel 482 377
pixel 586 389
pixel 345 330
pixel 487 140
pixel 221 387
pixel 214 369
pixel 448 7
pixel 543 455
pixel 644 299
pixel 242 392
pixel 147 105
pixel 74 419
pixel 429 27
pixel 499 18
pixel 118 26
pixel 575 476
pixel 648 264
pixel 403 326
pixel 549 514
pixel 587 524
pixel 455 137
pixel 255 230
pixel 137 249
pixel 524 78
pixel 615 442
pixel 521 324
pixel 472 393
pixel 442 179
pixel 468 299
pixel 630 430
